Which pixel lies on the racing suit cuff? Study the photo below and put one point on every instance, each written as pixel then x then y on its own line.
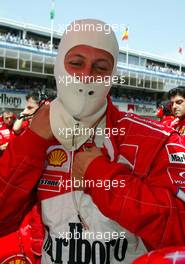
pixel 101 168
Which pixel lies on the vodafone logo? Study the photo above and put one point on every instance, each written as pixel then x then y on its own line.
pixel 182 174
pixel 177 176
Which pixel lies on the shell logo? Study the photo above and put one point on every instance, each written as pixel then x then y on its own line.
pixel 57 157
pixel 17 260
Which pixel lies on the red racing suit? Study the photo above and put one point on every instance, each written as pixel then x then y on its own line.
pixel 25 242
pixel 6 134
pixel 167 120
pixel 156 157
pixel 178 125
pixel 19 246
pixel 171 255
pixel 147 156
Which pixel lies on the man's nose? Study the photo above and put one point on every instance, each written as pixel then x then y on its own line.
pixel 86 76
pixel 174 106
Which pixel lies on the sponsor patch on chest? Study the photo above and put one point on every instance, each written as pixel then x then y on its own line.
pixel 50 183
pixel 57 170
pixel 58 159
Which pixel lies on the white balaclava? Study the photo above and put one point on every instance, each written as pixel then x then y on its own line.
pixel 77 100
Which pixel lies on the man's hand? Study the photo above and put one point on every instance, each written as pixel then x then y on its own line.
pixel 3 146
pixel 82 160
pixel 40 123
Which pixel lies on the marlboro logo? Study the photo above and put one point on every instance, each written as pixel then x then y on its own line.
pixel 176 153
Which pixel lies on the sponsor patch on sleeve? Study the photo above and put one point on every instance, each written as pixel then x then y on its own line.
pixel 177 176
pixel 176 153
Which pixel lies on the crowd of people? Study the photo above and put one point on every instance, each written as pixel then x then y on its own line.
pixel 28 85
pixel 49 160
pixel 30 42
pixel 40 45
pixel 166 69
pixel 125 97
pixel 20 84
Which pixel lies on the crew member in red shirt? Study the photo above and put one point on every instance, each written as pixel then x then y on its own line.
pixel 6 131
pixel 23 121
pixel 164 114
pixel 177 99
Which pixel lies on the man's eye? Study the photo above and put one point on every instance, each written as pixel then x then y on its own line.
pixel 179 102
pixel 75 63
pixel 101 68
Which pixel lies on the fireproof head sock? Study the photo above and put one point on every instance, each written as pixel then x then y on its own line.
pixel 77 100
pixel 84 99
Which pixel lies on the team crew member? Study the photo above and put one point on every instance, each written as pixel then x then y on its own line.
pixel 24 244
pixel 177 99
pixel 6 132
pixel 24 119
pixel 33 238
pixel 137 153
pixel 1 120
pixel 164 114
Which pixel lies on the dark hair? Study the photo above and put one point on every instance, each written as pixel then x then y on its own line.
pixel 166 107
pixel 180 90
pixel 7 111
pixel 34 96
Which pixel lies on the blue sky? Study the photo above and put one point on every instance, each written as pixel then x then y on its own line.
pixel 156 26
